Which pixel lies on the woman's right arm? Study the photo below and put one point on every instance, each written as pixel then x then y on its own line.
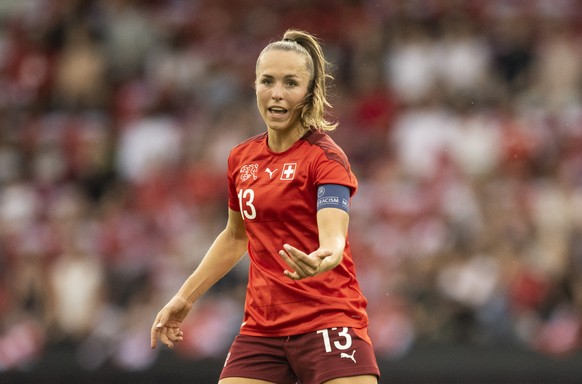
pixel 224 253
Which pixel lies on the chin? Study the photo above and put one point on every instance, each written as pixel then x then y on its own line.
pixel 278 127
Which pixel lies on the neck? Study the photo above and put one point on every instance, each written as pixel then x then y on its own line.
pixel 282 141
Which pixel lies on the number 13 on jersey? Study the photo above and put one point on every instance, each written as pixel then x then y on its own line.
pixel 245 201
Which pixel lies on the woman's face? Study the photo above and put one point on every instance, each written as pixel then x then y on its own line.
pixel 281 85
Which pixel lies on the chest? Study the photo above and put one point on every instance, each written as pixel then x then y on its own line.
pixel 274 189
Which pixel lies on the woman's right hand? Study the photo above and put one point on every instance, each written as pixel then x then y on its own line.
pixel 167 324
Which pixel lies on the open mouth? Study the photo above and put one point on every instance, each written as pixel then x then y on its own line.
pixel 277 111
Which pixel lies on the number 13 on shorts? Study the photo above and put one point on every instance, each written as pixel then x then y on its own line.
pixel 344 342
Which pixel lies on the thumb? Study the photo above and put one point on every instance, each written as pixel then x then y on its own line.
pixel 155 331
pixel 163 318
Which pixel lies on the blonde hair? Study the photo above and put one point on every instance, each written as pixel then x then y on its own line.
pixel 314 106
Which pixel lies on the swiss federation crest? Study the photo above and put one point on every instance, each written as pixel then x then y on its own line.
pixel 248 171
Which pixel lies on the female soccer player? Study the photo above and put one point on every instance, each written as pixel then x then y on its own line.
pixel 305 317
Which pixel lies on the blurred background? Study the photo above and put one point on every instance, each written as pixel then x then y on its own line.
pixel 462 121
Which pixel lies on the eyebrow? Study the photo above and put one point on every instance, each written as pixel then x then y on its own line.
pixel 286 77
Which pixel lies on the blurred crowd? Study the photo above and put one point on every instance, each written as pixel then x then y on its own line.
pixel 462 121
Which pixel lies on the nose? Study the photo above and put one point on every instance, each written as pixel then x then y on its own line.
pixel 277 92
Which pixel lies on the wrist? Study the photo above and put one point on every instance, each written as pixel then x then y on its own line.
pixel 186 297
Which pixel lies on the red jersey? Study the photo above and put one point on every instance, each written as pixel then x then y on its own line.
pixel 276 194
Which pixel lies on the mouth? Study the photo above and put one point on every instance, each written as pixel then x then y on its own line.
pixel 277 111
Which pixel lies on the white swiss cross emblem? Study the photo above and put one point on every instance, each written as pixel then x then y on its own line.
pixel 288 172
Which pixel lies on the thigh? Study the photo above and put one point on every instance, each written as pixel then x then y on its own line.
pixel 365 379
pixel 257 360
pixel 332 354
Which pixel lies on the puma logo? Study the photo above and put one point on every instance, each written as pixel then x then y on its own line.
pixel 270 172
pixel 344 355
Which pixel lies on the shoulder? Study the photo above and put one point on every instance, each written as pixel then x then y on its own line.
pixel 248 146
pixel 257 139
pixel 328 146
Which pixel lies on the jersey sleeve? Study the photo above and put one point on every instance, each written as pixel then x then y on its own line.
pixel 232 174
pixel 332 167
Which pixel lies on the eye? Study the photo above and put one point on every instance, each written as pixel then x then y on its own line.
pixel 291 83
pixel 266 81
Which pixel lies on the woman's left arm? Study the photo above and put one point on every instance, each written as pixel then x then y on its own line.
pixel 332 224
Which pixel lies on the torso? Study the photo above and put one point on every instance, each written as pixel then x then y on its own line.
pixel 276 195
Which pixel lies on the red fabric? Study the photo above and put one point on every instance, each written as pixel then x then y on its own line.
pixel 279 207
pixel 314 357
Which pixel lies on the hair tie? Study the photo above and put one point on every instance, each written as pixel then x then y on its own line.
pixel 288 39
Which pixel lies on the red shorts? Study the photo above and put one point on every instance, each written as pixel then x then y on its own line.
pixel 311 358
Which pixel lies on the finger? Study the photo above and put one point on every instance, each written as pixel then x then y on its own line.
pixel 163 317
pixel 177 339
pixel 309 264
pixel 292 275
pixel 297 271
pixel 287 258
pixel 306 267
pixel 310 259
pixel 154 338
pixel 176 332
pixel 165 339
pixel 155 332
pixel 176 335
pixel 301 259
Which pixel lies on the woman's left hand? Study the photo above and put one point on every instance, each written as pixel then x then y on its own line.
pixel 303 265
